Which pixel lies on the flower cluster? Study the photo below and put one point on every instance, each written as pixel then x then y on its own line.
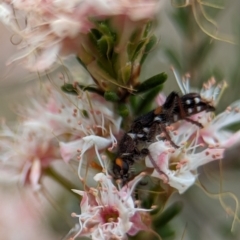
pixel 109 213
pixel 111 40
pixel 58 127
pixel 57 28
pixel 196 146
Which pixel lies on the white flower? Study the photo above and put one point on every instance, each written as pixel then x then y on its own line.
pixel 30 150
pixel 215 133
pixel 197 146
pixel 71 149
pixel 108 213
pixel 80 124
pixel 177 167
pixel 5 14
pixel 75 116
pixel 58 126
pixel 135 10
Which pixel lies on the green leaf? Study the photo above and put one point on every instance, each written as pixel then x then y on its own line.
pixel 133 100
pixel 105 45
pixel 126 72
pixel 69 88
pixel 85 113
pixel 152 82
pixel 106 67
pixel 135 43
pixel 149 46
pixel 91 89
pixel 168 215
pixel 96 34
pixel 101 47
pixel 145 104
pixel 81 62
pixel 123 110
pixel 136 36
pixel 105 28
pixel 166 232
pixel 111 96
pixel 138 50
pixel 148 28
pixel 160 223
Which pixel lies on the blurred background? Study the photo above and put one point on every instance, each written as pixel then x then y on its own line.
pixel 184 44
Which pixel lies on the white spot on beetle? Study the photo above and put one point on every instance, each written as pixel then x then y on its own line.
pixel 188 102
pixel 132 135
pixel 197 100
pixel 199 108
pixel 159 119
pixel 146 130
pixel 190 110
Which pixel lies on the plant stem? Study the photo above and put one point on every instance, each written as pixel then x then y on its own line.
pixel 61 180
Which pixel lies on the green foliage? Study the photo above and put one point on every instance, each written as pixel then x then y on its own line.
pixel 85 113
pixel 114 59
pixel 145 101
pixel 161 222
pixel 123 110
pixel 152 42
pixel 152 82
pixel 168 214
pixel 69 88
pixel 81 62
pixel 111 96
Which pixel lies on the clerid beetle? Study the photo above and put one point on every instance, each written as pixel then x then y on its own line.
pixel 134 143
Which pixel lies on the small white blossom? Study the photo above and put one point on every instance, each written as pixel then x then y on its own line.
pixel 177 167
pixel 108 213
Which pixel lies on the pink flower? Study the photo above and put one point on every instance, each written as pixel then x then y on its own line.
pixel 29 150
pixel 55 28
pixel 57 126
pixel 108 213
pixel 177 167
pixel 215 133
pixel 197 146
pixel 135 10
pixel 82 125
pixel 72 117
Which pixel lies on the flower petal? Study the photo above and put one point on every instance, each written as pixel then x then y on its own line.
pixel 69 150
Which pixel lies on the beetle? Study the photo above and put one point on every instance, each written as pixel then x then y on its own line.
pixel 142 133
